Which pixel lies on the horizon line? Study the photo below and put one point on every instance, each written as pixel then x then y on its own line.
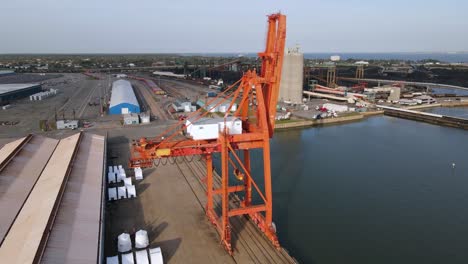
pixel 240 53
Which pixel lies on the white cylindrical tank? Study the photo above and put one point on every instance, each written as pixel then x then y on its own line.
pixel 124 243
pixel 141 239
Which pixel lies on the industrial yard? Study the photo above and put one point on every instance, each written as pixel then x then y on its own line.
pixel 75 92
pixel 179 225
pixel 126 106
pixel 278 156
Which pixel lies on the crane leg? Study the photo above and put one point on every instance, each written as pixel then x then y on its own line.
pixel 225 227
pixel 247 182
pixel 268 227
pixel 209 188
pixel 267 175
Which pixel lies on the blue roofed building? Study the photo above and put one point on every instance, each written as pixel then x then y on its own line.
pixel 123 99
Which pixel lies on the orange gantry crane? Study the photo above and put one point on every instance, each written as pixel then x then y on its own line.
pixel 257 95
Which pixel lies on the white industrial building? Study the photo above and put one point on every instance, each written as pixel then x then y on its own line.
pixel 365 63
pixel 217 105
pixel 209 128
pixel 169 74
pixel 292 76
pixel 131 119
pixel 43 95
pixel 67 124
pixel 145 118
pixel 183 106
pixel 335 58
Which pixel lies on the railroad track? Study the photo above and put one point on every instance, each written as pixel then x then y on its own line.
pixel 87 99
pixel 249 244
pixel 71 99
pixel 155 108
pixel 173 92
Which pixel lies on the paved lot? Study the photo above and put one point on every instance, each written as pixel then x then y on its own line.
pixel 75 92
pixel 170 206
pixel 165 207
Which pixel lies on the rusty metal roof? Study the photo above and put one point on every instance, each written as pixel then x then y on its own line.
pixel 26 235
pixel 19 176
pixel 75 235
pixel 50 199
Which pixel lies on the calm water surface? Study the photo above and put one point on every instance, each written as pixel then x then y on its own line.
pixel 378 191
pixel 461 112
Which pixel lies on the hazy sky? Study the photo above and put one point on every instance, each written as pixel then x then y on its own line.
pixel 151 26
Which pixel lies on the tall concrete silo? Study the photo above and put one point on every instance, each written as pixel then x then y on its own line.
pixel 292 76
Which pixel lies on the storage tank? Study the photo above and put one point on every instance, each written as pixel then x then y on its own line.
pixel 292 76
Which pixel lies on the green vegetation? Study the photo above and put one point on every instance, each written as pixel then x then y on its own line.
pixel 288 121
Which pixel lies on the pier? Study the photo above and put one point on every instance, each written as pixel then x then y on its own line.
pixel 426 117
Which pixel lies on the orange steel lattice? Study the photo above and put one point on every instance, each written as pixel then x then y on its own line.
pixel 257 93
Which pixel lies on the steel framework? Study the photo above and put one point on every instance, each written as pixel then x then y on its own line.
pixel 257 94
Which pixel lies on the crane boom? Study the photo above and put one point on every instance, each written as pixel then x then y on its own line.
pixel 257 95
pixel 272 62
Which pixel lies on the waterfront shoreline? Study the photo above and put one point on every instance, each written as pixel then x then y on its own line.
pixel 303 123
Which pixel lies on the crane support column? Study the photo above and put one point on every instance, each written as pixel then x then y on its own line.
pixel 209 186
pixel 225 228
pixel 247 182
pixel 267 176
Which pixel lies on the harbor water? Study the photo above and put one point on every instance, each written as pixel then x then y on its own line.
pixel 460 112
pixel 383 190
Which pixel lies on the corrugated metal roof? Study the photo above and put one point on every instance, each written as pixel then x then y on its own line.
pixel 10 87
pixel 27 232
pixel 122 92
pixel 31 184
pixel 75 235
pixel 6 72
pixel 8 149
pixel 19 176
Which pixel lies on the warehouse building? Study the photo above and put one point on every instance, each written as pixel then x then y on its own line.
pixel 6 73
pixel 123 99
pixel 52 199
pixel 13 91
pixel 131 119
pixel 67 124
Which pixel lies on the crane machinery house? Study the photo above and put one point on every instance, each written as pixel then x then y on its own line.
pixel 209 128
